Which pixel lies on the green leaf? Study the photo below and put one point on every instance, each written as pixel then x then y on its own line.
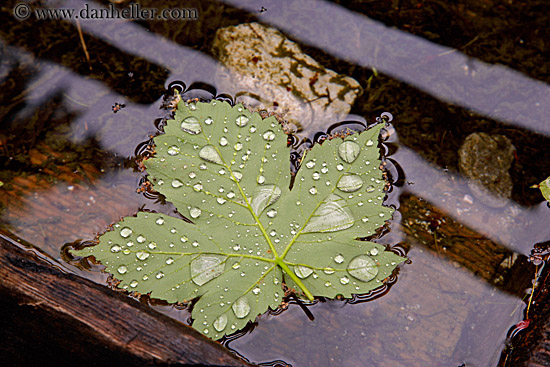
pixel 544 187
pixel 228 171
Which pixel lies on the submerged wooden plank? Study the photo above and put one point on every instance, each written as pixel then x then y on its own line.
pixel 60 318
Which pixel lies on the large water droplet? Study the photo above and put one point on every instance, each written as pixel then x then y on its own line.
pixel 176 184
pixel 241 308
pixel 206 267
pixel 208 121
pixel 369 143
pixel 195 212
pixel 191 125
pixel 269 135
pixel 332 215
pixel 302 272
pixel 141 239
pixel 350 182
pixel 173 150
pixel 263 196
pixel 238 176
pixel 122 269
pixel 115 248
pixel 310 164
pixel 363 267
pixel 142 255
pixel 349 151
pixel 160 221
pixel 220 323
pixel 242 120
pixel 223 141
pixel 315 176
pixel 125 232
pixel 210 154
pixel 339 259
pixel 344 280
pixel 197 187
pixel 271 213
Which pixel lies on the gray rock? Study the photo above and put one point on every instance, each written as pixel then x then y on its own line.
pixel 485 160
pixel 268 71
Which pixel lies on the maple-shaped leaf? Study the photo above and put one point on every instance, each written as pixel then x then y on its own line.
pixel 228 171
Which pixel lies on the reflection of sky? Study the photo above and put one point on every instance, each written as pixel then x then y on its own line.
pixel 495 91
pixel 492 90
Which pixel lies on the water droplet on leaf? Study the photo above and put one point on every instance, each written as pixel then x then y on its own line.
pixel 238 176
pixel 363 268
pixel 269 135
pixel 264 196
pixel 142 255
pixel 220 323
pixel 206 267
pixel 349 151
pixel 210 154
pixel 339 259
pixel 242 120
pixel 191 125
pixel 302 272
pixel 241 308
pixel 332 215
pixel 350 182
pixel 173 150
pixel 125 232
pixel 310 164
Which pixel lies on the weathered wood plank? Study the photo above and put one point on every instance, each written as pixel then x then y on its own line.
pixel 48 315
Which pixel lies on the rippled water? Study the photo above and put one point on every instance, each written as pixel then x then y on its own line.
pixel 72 130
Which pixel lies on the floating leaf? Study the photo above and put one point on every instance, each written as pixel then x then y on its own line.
pixel 228 170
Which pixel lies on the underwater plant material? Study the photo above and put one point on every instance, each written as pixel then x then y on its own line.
pixel 252 237
pixel 544 187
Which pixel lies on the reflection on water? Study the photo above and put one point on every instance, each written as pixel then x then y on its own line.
pixel 68 168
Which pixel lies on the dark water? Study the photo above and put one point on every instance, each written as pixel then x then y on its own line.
pixel 445 71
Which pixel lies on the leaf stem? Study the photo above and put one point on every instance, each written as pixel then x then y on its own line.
pixel 293 276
